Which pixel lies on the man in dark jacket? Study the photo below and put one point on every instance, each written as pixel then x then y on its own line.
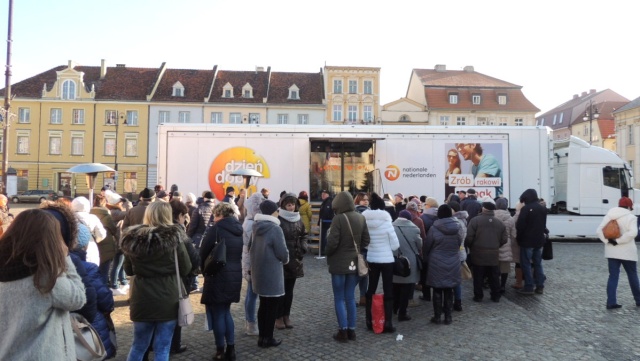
pixel 230 197
pixel 324 220
pixel 429 215
pixel 471 204
pixel 530 227
pixel 135 215
pixel 485 235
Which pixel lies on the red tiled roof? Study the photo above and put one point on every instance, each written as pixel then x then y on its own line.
pixel 438 98
pixel 196 85
pixel 607 128
pixel 258 80
pixel 310 85
pixel 460 78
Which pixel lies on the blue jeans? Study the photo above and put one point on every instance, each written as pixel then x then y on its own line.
pixel 614 274
pixel 142 333
pixel 219 315
pixel 103 270
pixel 527 257
pixel 250 304
pixel 117 271
pixel 363 283
pixel 344 301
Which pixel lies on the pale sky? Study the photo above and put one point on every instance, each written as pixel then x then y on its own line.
pixel 554 49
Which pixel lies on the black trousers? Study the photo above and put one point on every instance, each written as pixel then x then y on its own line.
pixel 401 294
pixel 284 306
pixel 386 271
pixel 267 316
pixel 492 273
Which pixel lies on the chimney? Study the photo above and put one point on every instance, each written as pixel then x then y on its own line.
pixel 575 96
pixel 121 65
pixel 592 91
pixel 468 69
pixel 259 68
pixel 103 68
pixel 441 68
pixel 71 64
pixel 583 94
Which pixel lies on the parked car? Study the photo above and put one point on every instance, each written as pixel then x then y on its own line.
pixel 34 196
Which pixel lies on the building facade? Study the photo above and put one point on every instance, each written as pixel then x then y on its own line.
pixel 627 125
pixel 352 94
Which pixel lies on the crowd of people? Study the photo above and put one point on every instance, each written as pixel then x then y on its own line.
pixel 71 256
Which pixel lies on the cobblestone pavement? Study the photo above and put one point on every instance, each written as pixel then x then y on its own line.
pixel 568 322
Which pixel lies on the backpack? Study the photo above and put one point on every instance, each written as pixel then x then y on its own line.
pixel 611 230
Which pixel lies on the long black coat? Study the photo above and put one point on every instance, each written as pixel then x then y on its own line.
pixel 531 222
pixel 296 237
pixel 225 286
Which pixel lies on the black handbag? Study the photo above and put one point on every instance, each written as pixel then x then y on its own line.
pixel 418 257
pixel 401 266
pixel 217 259
pixel 547 249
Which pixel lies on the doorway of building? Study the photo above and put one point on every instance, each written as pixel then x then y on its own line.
pixel 341 166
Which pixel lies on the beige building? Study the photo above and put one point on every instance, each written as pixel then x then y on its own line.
pixel 404 111
pixel 627 121
pixel 352 94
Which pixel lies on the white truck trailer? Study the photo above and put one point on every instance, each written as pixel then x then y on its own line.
pixel 579 182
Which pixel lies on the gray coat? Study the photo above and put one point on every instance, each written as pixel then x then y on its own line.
pixel 485 235
pixel 410 243
pixel 268 253
pixel 442 253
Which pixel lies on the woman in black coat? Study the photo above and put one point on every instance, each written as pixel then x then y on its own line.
pixel 223 288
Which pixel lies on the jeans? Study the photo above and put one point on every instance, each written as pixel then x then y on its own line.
pixel 527 256
pixel 221 322
pixel 344 300
pixel 142 333
pixel 614 274
pixel 103 270
pixel 457 292
pixel 117 271
pixel 363 284
pixel 250 304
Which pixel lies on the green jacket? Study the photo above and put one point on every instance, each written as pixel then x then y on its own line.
pixel 149 258
pixel 109 245
pixel 341 252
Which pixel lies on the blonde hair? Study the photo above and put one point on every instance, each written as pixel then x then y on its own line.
pixel 223 209
pixel 158 214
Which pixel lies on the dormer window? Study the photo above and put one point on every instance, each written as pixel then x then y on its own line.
pixel 294 92
pixel 404 118
pixel 227 91
pixel 476 99
pixel 178 90
pixel 502 99
pixel 69 90
pixel 247 91
pixel 453 98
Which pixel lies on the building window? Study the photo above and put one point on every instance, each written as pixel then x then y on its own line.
pixel 337 86
pixel 69 90
pixel 294 92
pixel 247 91
pixel 444 120
pixel 482 121
pixel 56 116
pixel 77 143
pixel 353 86
pixel 283 118
pixel 164 116
pixel 303 118
pixel 476 98
pixel 110 117
pixel 131 146
pixel 130 182
pixel 132 117
pixel 78 116
pixel 555 118
pixel 337 113
pixel 502 121
pixel 24 115
pixel 353 113
pixel 561 116
pixel 631 166
pixel 368 113
pixel 542 121
pixel 461 121
pixel 519 122
pixel 178 89
pixel 110 144
pixel 254 118
pixel 586 129
pixel 630 134
pixel 453 98
pixel 404 118
pixel 55 144
pixel 216 118
pixel 23 143
pixel 368 87
pixel 227 93
pixel 502 99
pixel 183 117
pixel 235 118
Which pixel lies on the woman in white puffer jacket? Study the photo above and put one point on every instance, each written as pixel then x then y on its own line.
pixel 380 257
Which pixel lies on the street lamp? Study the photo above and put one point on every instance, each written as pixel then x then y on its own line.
pixel 91 171
pixel 590 114
pixel 122 118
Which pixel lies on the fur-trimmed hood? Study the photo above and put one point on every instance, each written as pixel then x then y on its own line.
pixel 252 205
pixel 143 240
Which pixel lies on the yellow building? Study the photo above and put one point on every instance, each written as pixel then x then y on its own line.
pixel 352 94
pixel 627 128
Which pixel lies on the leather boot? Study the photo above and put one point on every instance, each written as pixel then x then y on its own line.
pixel 230 353
pixel 518 284
pixel 426 293
pixel 287 322
pixel 368 302
pixel 437 307
pixel 351 334
pixel 280 324
pixel 457 305
pixel 503 282
pixel 341 336
pixel 363 301
pixel 219 354
pixel 448 306
pixel 388 316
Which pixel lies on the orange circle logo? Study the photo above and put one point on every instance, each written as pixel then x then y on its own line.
pixel 231 160
pixel 392 172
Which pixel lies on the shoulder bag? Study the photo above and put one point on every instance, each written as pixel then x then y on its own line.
pixel 89 346
pixel 401 264
pixel 363 267
pixel 465 271
pixel 217 258
pixel 185 311
pixel 611 230
pixel 418 257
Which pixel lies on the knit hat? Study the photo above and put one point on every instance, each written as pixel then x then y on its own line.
pixel 502 203
pixel 405 214
pixel 268 207
pixel 112 197
pixel 207 195
pixel 147 193
pixel 303 195
pixel 84 235
pixel 174 188
pixel 444 211
pixel 399 195
pixel 454 205
pixel 375 202
pixel 488 203
pixel 413 206
pixel 80 204
pixel 625 202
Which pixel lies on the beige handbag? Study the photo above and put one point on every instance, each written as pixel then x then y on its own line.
pixel 185 311
pixel 465 272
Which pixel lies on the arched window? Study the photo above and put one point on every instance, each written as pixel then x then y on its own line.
pixel 404 118
pixel 69 90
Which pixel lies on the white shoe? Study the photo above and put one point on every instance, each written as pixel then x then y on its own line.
pixel 125 288
pixel 251 329
pixel 118 292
